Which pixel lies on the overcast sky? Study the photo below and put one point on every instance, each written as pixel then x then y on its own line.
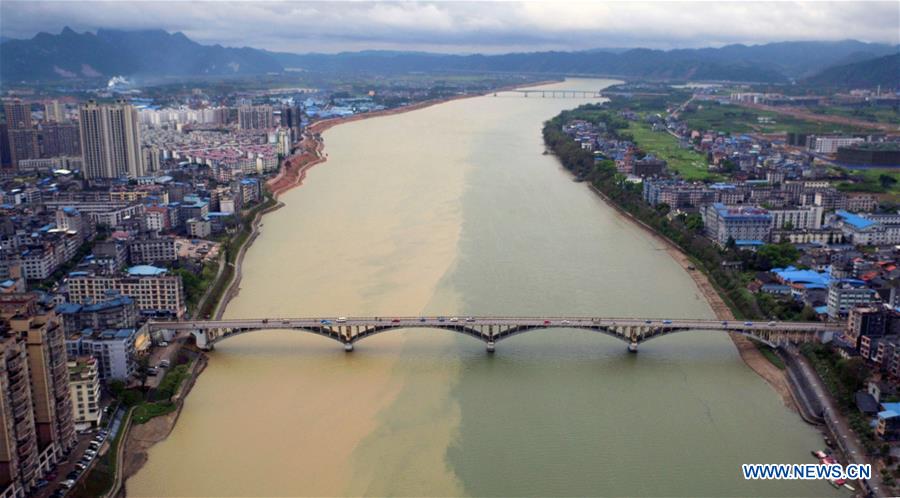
pixel 466 26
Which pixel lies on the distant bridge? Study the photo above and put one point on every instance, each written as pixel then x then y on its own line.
pixel 491 330
pixel 558 94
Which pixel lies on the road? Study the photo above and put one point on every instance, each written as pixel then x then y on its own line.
pixel 855 452
pixel 563 322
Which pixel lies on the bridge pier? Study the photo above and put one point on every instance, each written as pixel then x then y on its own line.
pixel 633 347
pixel 348 346
pixel 490 346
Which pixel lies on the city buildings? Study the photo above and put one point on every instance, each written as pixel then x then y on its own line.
pixel 36 422
pixel 115 350
pixel 84 388
pixel 256 117
pixel 154 291
pixel 736 223
pixel 110 141
pixel 846 294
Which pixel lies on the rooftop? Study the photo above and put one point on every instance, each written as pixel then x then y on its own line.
pixel 146 271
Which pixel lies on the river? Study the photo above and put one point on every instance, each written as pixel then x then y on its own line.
pixel 454 210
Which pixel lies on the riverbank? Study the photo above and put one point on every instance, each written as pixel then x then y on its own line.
pixel 293 170
pixel 141 437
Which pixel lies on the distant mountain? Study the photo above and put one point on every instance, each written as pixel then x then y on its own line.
pixel 793 59
pixel 770 63
pixel 158 53
pixel 633 63
pixel 128 53
pixel 884 71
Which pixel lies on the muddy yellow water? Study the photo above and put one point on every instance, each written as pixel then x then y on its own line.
pixel 454 210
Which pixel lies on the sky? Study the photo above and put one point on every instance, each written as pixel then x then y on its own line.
pixel 466 27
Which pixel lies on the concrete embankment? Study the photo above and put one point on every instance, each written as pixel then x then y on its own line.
pixel 808 404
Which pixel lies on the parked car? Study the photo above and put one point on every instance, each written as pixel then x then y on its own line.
pixel 68 483
pixel 163 364
pixel 164 344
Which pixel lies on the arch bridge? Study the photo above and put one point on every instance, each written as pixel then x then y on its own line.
pixel 557 94
pixel 491 330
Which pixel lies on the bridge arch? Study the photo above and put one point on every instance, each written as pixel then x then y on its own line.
pixel 518 330
pixel 741 332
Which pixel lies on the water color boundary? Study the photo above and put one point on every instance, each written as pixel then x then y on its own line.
pixel 293 174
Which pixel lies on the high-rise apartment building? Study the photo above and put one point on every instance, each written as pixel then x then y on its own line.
pixel 59 139
pixel 256 117
pixel 110 140
pixel 54 112
pixel 36 420
pixel 18 114
pixel 23 144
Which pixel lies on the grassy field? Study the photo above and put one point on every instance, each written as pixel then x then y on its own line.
pixel 873 114
pixel 689 164
pixel 736 119
pixel 869 180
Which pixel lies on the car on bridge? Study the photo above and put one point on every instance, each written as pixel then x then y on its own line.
pixel 326 322
pixel 667 322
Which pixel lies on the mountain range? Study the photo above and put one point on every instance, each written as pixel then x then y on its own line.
pixel 884 71
pixel 106 53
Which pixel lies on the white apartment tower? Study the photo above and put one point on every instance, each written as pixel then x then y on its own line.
pixel 110 141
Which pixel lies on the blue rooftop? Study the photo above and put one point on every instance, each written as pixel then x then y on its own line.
pixel 810 278
pixel 146 271
pixel 891 407
pixel 853 219
pixel 67 308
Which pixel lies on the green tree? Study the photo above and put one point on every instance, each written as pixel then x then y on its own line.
pixel 694 222
pixel 776 255
pixel 886 181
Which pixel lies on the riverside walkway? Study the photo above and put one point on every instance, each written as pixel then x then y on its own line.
pixel 492 329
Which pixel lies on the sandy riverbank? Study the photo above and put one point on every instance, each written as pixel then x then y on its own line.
pixel 293 169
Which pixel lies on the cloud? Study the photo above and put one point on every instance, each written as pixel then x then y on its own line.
pixel 489 27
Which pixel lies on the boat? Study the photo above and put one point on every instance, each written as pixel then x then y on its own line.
pixel 819 454
pixel 848 486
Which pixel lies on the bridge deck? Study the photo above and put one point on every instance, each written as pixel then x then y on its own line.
pixel 572 322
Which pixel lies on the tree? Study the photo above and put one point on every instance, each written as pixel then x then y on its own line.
pixel 694 222
pixel 143 369
pixel 886 181
pixel 776 256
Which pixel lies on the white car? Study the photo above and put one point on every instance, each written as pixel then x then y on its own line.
pixel 67 483
pixel 341 319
